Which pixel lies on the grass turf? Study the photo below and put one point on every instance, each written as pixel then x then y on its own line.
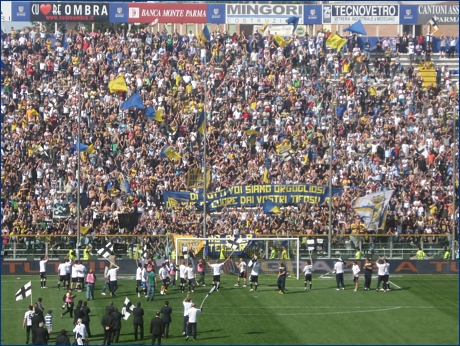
pixel 425 311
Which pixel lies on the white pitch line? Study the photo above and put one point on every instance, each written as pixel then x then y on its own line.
pixel 314 313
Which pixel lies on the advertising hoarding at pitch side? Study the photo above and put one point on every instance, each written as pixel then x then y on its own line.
pixel 262 13
pixel 167 13
pixel 69 12
pixel 368 14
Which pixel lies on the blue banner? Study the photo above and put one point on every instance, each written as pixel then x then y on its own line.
pixel 118 12
pixel 313 14
pixel 251 196
pixel 20 11
pixel 216 14
pixel 408 14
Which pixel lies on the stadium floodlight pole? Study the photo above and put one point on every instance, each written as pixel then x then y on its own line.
pixel 204 159
pixel 331 127
pixel 78 169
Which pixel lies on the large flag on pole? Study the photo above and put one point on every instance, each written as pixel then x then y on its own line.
pixel 266 178
pixel 356 28
pixel 24 292
pixel 271 207
pixel 202 123
pixel 434 23
pixel 205 34
pixel 281 41
pixel 106 251
pixel 372 208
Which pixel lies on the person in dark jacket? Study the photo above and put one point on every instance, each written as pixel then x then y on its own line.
pixel 108 323
pixel 166 312
pixel 63 339
pixel 41 335
pixel 138 320
pixel 85 320
pixel 36 320
pixel 110 307
pixel 156 328
pixel 78 312
pixel 117 326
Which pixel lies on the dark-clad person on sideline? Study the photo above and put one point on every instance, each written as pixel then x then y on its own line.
pixel 156 328
pixel 108 323
pixel 117 315
pixel 63 339
pixel 166 312
pixel 138 320
pixel 41 335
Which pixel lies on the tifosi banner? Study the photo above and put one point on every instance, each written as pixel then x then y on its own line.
pixel 251 196
pixel 262 13
pixel 167 13
pixel 368 14
pixel 69 12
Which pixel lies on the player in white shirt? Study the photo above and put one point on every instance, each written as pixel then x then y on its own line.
pixel 216 268
pixel 164 277
pixel 356 271
pixel 381 274
pixel 62 271
pixel 42 265
pixel 28 321
pixel 191 278
pixel 81 274
pixel 139 273
pixel 338 270
pixel 68 268
pixel 144 280
pixel 112 275
pixel 187 305
pixel 242 266
pixel 182 275
pixel 307 271
pixel 255 269
pixel 387 273
pixel 74 275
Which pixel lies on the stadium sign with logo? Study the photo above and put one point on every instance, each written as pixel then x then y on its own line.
pixel 216 13
pixel 118 13
pixel 20 11
pixel 69 12
pixel 368 14
pixel 262 13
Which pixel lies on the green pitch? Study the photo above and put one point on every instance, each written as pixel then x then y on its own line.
pixel 425 311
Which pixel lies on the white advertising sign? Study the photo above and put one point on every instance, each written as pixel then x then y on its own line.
pixel 262 13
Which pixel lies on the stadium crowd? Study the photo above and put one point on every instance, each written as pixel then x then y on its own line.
pixel 386 130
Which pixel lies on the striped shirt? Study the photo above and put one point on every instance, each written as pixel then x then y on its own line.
pixel 49 319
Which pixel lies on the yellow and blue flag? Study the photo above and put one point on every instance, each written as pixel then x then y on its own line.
pixel 168 153
pixel 135 101
pixel 202 123
pixel 271 207
pixel 281 41
pixel 266 179
pixel 124 185
pixel 205 34
pixel 335 41
pixel 294 21
pixel 86 148
pixel 118 84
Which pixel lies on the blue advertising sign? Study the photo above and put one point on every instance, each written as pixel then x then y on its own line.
pixel 216 14
pixel 313 14
pixel 408 14
pixel 251 196
pixel 118 13
pixel 20 11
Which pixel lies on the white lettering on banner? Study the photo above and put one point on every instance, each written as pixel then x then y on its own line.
pixel 260 10
pixel 167 13
pixel 365 10
pixel 74 10
pixel 438 9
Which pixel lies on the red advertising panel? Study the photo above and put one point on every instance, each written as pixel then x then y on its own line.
pixel 167 13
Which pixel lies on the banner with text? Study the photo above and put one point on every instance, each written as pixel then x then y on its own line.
pixel 69 12
pixel 167 13
pixel 445 14
pixel 262 13
pixel 251 196
pixel 368 14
